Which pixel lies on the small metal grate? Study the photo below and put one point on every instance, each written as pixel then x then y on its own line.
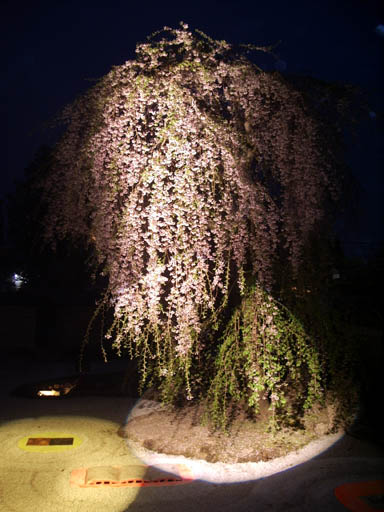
pixel 50 441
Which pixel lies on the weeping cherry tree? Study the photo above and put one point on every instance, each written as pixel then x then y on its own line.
pixel 192 174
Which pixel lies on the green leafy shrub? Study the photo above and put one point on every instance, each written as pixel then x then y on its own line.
pixel 264 353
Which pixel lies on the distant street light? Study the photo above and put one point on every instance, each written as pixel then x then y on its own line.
pixel 18 280
pixel 380 30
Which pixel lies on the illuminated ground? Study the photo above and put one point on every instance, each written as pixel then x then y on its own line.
pixel 40 480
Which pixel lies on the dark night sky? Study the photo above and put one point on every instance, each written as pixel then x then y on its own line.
pixel 52 49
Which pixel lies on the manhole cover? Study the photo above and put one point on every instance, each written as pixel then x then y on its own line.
pixel 49 442
pixel 131 476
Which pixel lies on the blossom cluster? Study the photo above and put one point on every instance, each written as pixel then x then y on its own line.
pixel 183 168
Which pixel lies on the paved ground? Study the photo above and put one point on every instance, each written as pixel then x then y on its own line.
pixel 38 479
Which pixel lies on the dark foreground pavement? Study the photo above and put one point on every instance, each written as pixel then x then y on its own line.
pixel 38 480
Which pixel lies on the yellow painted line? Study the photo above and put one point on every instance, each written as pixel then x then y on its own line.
pixel 30 443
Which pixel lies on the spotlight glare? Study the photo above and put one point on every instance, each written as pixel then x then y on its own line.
pixel 48 392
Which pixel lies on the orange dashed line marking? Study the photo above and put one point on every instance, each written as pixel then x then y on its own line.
pixel 130 476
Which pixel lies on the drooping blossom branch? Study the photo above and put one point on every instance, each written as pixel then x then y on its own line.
pixel 183 168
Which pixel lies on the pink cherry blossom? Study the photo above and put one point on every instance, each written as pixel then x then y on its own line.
pixel 182 169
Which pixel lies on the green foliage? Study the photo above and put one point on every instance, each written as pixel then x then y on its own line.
pixel 264 353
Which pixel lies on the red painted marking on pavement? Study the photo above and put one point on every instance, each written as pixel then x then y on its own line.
pixel 350 495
